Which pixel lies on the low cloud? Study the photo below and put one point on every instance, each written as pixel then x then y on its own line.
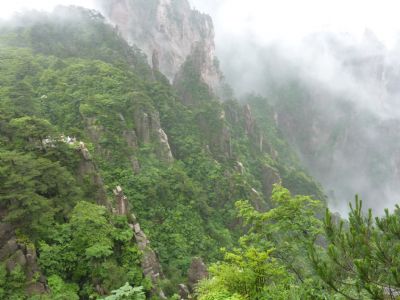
pixel 9 8
pixel 344 54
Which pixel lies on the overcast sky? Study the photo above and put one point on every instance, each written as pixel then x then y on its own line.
pixel 291 19
pixel 274 19
pixel 8 8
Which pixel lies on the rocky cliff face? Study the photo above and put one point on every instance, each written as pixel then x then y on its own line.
pixel 149 261
pixel 168 31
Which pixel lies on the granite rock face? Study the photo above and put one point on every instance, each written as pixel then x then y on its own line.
pixel 149 130
pixel 168 32
pixel 88 169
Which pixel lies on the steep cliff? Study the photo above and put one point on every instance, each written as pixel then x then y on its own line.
pixel 168 32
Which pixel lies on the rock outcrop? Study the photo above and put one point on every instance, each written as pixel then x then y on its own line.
pixel 184 292
pixel 197 271
pixel 148 130
pixel 145 128
pixel 88 170
pixel 15 253
pixel 249 120
pixel 149 262
pixel 168 32
pixel 269 177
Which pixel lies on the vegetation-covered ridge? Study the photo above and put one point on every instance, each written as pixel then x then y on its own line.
pixel 81 113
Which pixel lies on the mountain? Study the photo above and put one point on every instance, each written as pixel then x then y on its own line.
pixel 168 32
pixel 336 103
pixel 115 171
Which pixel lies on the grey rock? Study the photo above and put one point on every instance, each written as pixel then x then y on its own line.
pixel 269 176
pixel 121 201
pixel 20 258
pixel 137 229
pixel 135 165
pixel 142 122
pixel 249 120
pixel 31 256
pixel 239 167
pixel 131 139
pixel 165 149
pixel 85 152
pixel 197 272
pixel 148 129
pixel 17 259
pixel 155 61
pixel 168 32
pixel 149 261
pixel 184 292
pixel 6 230
pixel 36 288
pixel 8 249
pixel 88 169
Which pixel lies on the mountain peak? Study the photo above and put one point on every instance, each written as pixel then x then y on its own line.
pixel 168 31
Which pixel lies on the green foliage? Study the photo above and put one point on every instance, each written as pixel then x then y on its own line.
pixel 12 283
pixel 59 290
pixel 265 115
pixel 91 232
pixel 287 255
pixel 127 292
pixel 211 290
pixel 69 74
pixel 190 85
pixel 361 258
pixel 34 191
pixel 290 228
pixel 179 205
pixel 294 177
pixel 92 247
pixel 249 272
pixel 271 262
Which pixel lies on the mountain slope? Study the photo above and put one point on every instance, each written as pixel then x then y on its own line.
pixel 90 135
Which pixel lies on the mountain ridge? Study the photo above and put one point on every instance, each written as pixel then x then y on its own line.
pixel 182 157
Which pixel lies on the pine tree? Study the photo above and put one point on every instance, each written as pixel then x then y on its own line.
pixel 361 258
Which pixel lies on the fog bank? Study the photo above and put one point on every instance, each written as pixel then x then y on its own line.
pixel 339 60
pixel 9 8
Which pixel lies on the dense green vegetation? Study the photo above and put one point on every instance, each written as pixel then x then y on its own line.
pixel 81 112
pixel 62 95
pixel 288 253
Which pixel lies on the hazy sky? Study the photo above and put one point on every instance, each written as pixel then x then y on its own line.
pixel 291 19
pixel 274 19
pixel 7 8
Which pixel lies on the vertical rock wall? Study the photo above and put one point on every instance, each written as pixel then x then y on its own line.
pixel 168 32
